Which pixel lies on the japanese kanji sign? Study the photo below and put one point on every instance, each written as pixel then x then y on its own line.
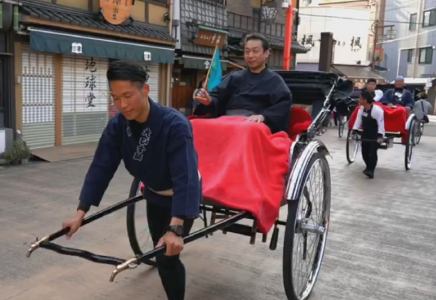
pixel 90 82
pixel 116 12
pixel 210 38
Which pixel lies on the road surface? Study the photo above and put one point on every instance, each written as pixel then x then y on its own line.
pixel 381 244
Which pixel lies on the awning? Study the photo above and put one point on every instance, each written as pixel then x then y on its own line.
pixel 74 44
pixel 200 63
pixel 357 72
pixel 236 36
pixel 378 68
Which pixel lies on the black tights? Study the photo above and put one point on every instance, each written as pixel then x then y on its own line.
pixel 171 270
pixel 369 154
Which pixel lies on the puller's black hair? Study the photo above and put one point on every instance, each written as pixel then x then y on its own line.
pixel 127 70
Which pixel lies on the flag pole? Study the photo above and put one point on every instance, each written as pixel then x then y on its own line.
pixel 208 71
pixel 210 67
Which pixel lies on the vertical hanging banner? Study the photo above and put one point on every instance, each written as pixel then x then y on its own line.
pixel 90 83
pixel 116 12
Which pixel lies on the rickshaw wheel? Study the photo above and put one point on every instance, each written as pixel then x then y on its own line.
pixel 419 132
pixel 304 234
pixel 410 143
pixel 352 153
pixel 132 225
pixel 341 127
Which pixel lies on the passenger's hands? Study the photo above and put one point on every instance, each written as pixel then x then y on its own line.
pixel 380 140
pixel 74 223
pixel 256 118
pixel 391 105
pixel 408 110
pixel 173 243
pixel 203 97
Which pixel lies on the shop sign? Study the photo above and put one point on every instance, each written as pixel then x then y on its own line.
pixel 76 48
pixel 116 12
pixel 147 56
pixel 90 81
pixel 210 38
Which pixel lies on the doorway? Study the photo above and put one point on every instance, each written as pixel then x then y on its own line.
pixel 183 89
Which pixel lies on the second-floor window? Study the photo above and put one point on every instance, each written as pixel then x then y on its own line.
pixel 429 18
pixel 412 22
pixel 409 55
pixel 426 55
pixel 238 21
pixel 159 1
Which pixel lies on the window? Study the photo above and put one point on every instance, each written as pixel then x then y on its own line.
pixel 412 22
pixel 237 22
pixel 409 55
pixel 231 19
pixel 426 55
pixel 164 2
pixel 429 18
pixel 256 19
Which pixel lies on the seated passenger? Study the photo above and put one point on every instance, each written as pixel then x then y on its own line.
pixel 398 95
pixel 257 92
pixel 371 85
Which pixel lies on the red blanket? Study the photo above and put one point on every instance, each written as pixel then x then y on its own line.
pixel 243 165
pixel 395 118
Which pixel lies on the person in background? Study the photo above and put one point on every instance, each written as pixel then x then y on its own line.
pixel 257 93
pixel 371 87
pixel 398 95
pixel 422 108
pixel 371 118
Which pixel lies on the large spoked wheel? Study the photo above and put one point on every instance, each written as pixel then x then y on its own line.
pixel 306 230
pixel 342 122
pixel 410 143
pixel 353 145
pixel 137 228
pixel 419 132
pixel 341 129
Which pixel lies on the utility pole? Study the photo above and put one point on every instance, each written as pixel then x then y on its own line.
pixel 418 30
pixel 374 47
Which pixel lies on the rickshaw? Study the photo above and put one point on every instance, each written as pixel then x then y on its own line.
pixel 397 125
pixel 344 112
pixel 305 162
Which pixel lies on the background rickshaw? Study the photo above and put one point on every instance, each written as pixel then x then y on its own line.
pixel 305 160
pixel 398 125
pixel 344 111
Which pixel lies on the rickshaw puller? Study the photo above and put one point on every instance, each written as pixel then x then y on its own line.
pixel 156 145
pixel 371 118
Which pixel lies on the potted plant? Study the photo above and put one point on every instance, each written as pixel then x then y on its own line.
pixel 13 156
pixel 25 154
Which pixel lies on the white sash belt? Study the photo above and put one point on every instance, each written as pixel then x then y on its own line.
pixel 170 192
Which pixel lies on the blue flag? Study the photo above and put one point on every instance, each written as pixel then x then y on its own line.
pixel 216 72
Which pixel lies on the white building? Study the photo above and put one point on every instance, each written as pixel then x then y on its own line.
pixel 351 28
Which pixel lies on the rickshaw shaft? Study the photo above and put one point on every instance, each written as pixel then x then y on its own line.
pixel 88 220
pixel 190 238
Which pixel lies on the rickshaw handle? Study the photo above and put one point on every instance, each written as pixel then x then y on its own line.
pixel 85 221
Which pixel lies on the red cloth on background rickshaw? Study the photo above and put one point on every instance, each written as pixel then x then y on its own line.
pixel 395 119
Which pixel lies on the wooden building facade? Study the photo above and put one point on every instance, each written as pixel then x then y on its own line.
pixel 62 52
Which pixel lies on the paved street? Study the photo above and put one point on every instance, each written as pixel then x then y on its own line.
pixel 382 242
